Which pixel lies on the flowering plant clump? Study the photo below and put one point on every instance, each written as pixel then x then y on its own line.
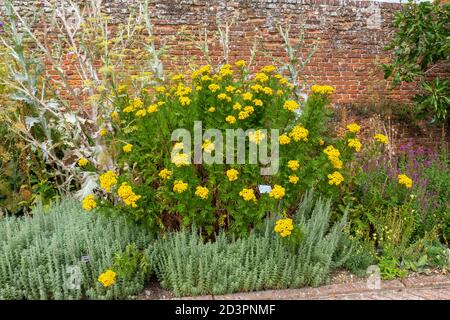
pixel 159 180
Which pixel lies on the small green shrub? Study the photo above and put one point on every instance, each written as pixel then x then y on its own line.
pixel 38 253
pixel 188 266
pixel 362 256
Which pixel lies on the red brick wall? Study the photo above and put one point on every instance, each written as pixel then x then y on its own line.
pixel 351 34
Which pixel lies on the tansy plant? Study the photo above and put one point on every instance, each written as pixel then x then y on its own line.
pixel 159 181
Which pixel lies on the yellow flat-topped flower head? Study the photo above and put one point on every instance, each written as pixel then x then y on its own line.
pixel 335 178
pixel 284 227
pixel 268 69
pixel 326 90
pixel 284 139
pixel 405 180
pixel 127 148
pixel 293 165
pixel 277 192
pixel 89 203
pixel 248 194
pixel 125 192
pixel 256 137
pixel 243 115
pixel 107 278
pixel 381 138
pixel 152 108
pixel 240 63
pixel 208 146
pixel 290 105
pixel 299 133
pixel 181 159
pixel 185 101
pixel 232 174
pixel 179 186
pixel 261 77
pixel 82 162
pixel 247 96
pixel 293 179
pixel 230 119
pixel 355 144
pixel 213 87
pixel 165 174
pixel 353 127
pixel 108 180
pixel 202 192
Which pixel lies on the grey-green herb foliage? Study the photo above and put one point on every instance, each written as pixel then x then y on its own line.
pixel 188 266
pixel 40 255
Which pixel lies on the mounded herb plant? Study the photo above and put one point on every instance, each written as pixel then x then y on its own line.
pixel 188 266
pixel 48 255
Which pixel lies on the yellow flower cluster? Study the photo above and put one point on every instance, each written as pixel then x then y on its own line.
pixel 115 117
pixel 108 180
pixel 223 96
pixel 247 96
pixel 284 139
pixel 293 179
pixel 248 194
pixel 127 148
pixel 268 69
pixel 277 192
pixel 322 89
pixel 258 102
pixel 83 162
pixel 232 174
pixel 256 137
pixel 179 186
pixel 208 146
pixel 152 108
pixel 261 77
pixel 355 144
pixel 335 178
pixel 89 203
pixel 206 69
pixel 290 105
pixel 178 77
pixel 128 196
pixel 284 227
pixel 293 165
pixel 213 87
pixel 107 278
pixel 333 155
pixel 185 101
pixel 181 159
pixel 230 119
pixel 299 133
pixel 240 63
pixel 353 127
pixel 134 105
pixel 225 70
pixel 165 174
pixel 405 180
pixel 381 138
pixel 103 132
pixel 202 192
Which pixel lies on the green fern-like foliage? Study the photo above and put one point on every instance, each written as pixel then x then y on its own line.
pixel 38 253
pixel 188 266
